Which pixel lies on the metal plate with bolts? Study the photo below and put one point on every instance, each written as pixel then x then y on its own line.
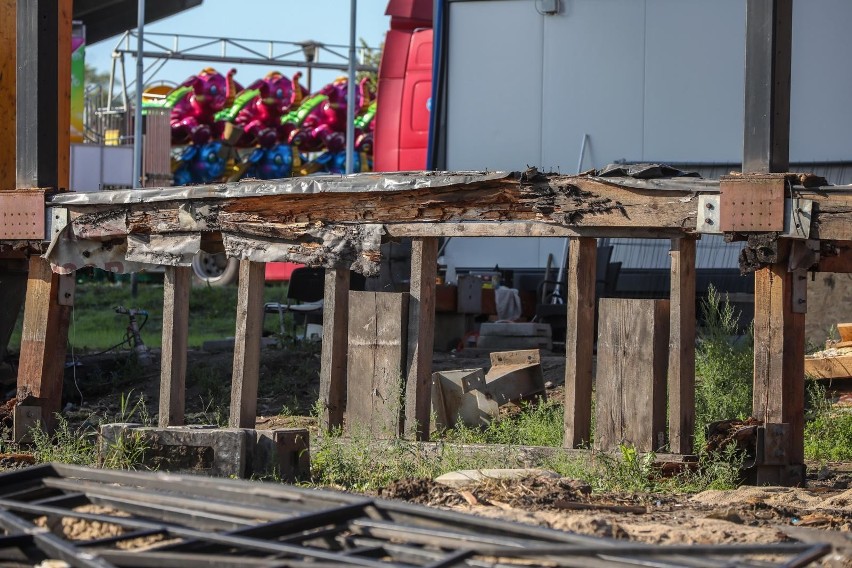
pixel 797 218
pixel 24 419
pixel 22 214
pixel 707 217
pixel 752 204
pixel 56 218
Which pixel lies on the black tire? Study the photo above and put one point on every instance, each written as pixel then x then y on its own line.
pixel 215 269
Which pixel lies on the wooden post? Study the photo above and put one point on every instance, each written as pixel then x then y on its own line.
pixel 579 341
pixel 335 337
pixel 44 339
pixel 630 389
pixel 176 285
pixel 421 335
pixel 681 377
pixel 779 354
pixel 8 21
pixel 247 345
pixel 42 142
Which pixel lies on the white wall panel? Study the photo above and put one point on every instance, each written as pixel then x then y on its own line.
pixel 821 98
pixel 694 81
pixel 594 65
pixel 494 85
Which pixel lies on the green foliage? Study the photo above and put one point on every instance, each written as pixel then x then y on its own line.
pixel 724 365
pixel 125 452
pixel 535 425
pixel 828 432
pixel 65 445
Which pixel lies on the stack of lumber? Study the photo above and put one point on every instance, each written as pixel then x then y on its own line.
pixel 835 362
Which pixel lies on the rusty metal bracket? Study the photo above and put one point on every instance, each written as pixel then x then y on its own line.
pixel 797 218
pixel 25 418
pixel 22 214
pixel 67 287
pixel 752 203
pixel 773 443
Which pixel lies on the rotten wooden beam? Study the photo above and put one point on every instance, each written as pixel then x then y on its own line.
pixel 560 201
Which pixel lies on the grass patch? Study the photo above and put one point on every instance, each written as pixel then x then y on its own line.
pixel 724 366
pixel 828 431
pixel 534 425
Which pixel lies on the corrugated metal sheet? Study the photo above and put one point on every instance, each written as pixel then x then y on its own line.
pixel 711 252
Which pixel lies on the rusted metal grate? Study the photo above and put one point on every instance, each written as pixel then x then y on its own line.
pixel 158 520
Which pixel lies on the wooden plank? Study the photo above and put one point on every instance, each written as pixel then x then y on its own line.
pixel 177 282
pixel 247 345
pixel 335 334
pixel 779 353
pixel 377 346
pixel 579 341
pixel 630 390
pixel 839 367
pixel 681 383
pixel 8 20
pixel 44 338
pixel 421 335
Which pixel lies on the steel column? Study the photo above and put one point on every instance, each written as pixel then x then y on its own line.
pixel 766 140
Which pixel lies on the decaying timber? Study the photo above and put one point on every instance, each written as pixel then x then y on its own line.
pixel 336 221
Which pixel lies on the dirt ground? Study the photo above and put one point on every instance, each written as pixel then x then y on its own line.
pixel 289 388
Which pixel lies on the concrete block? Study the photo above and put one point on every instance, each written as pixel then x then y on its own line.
pixel 284 453
pixel 203 450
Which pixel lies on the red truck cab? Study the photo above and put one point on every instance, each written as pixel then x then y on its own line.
pixel 405 88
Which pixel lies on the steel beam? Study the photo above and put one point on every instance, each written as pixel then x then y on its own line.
pixel 766 140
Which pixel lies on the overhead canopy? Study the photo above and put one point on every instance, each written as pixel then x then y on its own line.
pixel 107 18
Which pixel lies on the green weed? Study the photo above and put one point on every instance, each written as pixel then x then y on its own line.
pixel 828 431
pixel 724 365
pixel 75 446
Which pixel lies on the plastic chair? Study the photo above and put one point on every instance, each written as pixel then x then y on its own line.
pixel 306 287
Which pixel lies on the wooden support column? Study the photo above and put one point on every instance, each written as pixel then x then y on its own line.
pixel 42 144
pixel 579 341
pixel 335 338
pixel 681 377
pixel 779 354
pixel 421 335
pixel 247 345
pixel 176 285
pixel 44 338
